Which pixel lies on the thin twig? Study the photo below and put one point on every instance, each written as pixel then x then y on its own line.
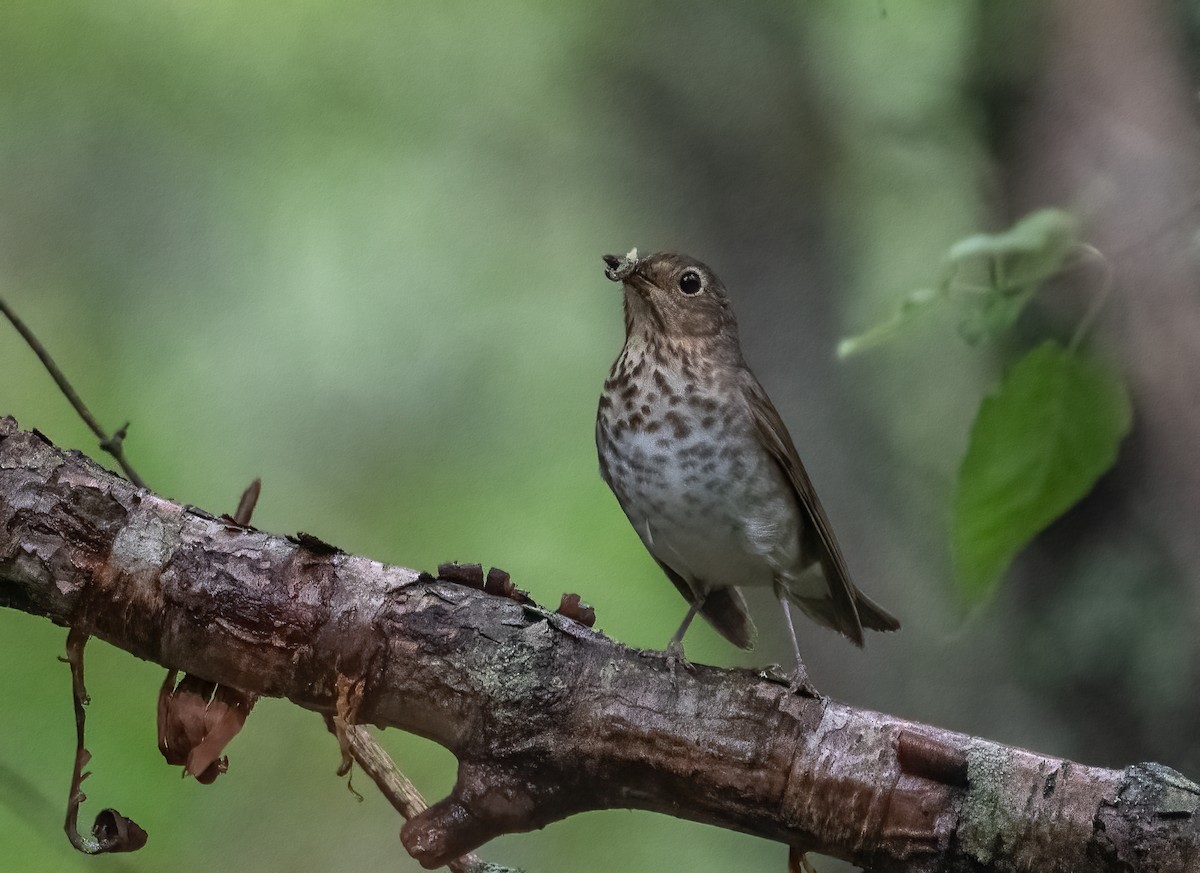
pixel 396 787
pixel 378 764
pixel 112 831
pixel 113 444
pixel 1091 254
pixel 357 743
pixel 76 640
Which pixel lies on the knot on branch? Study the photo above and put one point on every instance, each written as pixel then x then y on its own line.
pixel 487 801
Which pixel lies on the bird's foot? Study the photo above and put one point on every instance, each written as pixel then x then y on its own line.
pixel 675 659
pixel 798 683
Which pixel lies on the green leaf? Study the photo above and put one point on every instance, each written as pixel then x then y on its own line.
pixel 1037 446
pixel 1008 268
pixel 991 315
pixel 1002 272
pixel 1028 253
pixel 910 307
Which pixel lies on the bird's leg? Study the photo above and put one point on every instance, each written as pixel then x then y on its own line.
pixel 675 647
pixel 800 675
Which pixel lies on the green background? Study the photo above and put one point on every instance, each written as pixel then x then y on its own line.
pixel 354 249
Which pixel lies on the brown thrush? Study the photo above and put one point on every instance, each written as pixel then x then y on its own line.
pixel 704 468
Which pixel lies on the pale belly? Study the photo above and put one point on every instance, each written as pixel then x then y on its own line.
pixel 716 516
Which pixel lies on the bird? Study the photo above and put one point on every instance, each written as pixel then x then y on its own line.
pixel 705 470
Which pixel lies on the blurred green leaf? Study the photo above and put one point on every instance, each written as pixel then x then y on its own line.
pixel 1037 446
pixel 992 314
pixel 910 307
pixel 1010 267
pixel 1029 252
pixel 1015 264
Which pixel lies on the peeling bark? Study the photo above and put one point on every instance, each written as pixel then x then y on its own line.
pixel 547 717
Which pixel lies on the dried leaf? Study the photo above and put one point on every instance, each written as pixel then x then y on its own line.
pixel 223 719
pixel 196 720
pixel 116 833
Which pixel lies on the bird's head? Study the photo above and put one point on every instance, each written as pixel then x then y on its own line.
pixel 671 296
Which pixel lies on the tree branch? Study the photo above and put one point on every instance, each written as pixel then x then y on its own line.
pixel 546 717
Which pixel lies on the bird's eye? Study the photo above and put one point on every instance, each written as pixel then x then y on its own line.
pixel 690 283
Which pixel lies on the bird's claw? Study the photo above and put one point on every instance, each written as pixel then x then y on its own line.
pixel 675 658
pixel 798 683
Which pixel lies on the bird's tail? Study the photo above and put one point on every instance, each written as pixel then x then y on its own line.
pixel 873 616
pixel 825 610
pixel 725 609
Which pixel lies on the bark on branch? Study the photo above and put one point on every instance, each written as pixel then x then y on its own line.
pixel 546 717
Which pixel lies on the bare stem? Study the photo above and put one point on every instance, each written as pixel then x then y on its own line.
pixel 112 831
pixel 1089 254
pixel 113 444
pixel 357 743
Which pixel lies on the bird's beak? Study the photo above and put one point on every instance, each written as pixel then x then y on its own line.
pixel 619 267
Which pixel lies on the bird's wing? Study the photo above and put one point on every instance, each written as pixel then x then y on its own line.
pixel 816 536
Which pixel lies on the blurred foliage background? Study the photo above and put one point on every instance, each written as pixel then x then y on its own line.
pixel 353 248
